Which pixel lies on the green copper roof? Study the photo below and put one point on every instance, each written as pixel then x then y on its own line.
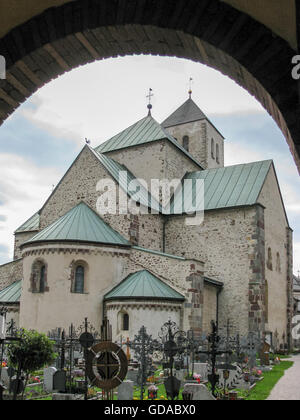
pixel 12 293
pixel 143 285
pixel 30 225
pixel 144 131
pixel 81 224
pixel 126 179
pixel 233 186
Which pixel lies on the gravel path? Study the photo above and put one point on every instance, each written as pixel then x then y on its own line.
pixel 288 388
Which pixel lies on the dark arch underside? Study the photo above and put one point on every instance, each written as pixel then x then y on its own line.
pixel 206 31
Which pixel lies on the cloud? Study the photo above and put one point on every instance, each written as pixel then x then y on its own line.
pixel 24 188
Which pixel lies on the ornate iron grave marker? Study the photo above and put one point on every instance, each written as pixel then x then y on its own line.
pixel 106 363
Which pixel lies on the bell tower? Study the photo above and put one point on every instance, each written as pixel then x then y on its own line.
pixel 196 133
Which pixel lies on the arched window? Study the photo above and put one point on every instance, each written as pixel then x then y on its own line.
pixel 186 143
pixel 278 263
pixel 269 261
pixel 42 279
pixel 217 153
pixel 38 278
pixel 212 146
pixel 79 280
pixel 125 326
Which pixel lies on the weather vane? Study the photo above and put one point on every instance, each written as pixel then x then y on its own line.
pixel 190 89
pixel 149 97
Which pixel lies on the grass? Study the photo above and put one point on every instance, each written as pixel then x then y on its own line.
pixel 264 388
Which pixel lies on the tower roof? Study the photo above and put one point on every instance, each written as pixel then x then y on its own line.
pixel 81 224
pixel 143 285
pixel 147 130
pixel 186 113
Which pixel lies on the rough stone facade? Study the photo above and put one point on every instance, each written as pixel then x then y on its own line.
pixel 224 241
pixel 10 272
pixel 20 238
pixel 278 245
pixel 203 142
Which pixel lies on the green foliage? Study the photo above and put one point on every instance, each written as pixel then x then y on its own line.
pixel 32 352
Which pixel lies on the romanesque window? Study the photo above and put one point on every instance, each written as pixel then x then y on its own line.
pixel 278 263
pixel 269 260
pixel 79 280
pixel 79 271
pixel 125 322
pixel 186 143
pixel 42 279
pixel 217 153
pixel 212 148
pixel 38 278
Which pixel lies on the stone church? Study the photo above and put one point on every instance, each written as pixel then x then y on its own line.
pixel 70 262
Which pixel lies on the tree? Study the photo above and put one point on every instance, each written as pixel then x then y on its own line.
pixel 31 352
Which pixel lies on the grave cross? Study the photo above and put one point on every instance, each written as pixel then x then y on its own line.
pixel 214 340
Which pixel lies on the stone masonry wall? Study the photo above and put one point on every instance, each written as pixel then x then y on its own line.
pixel 10 272
pixel 226 242
pixel 79 184
pixel 156 160
pixel 185 276
pixel 20 238
pixel 200 134
pixel 278 249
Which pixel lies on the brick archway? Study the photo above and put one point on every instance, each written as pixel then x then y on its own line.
pixel 207 31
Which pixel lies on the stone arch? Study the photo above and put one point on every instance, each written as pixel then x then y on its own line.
pixel 39 276
pixel 210 32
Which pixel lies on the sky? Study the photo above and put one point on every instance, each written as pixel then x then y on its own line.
pixel 42 138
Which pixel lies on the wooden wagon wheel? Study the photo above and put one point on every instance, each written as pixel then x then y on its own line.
pixel 107 365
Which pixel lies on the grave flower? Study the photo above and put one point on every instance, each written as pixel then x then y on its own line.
pixel 197 377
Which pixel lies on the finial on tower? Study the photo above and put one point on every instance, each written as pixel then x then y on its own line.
pixel 149 106
pixel 190 90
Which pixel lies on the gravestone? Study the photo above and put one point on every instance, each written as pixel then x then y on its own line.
pixel 202 369
pixel 48 378
pixel 5 379
pixel 199 392
pixel 59 381
pixel 235 376
pixel 63 397
pixel 125 391
pixel 265 354
pixel 132 375
pixel 180 374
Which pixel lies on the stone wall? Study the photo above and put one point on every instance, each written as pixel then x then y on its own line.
pixel 59 306
pixel 79 184
pixel 156 160
pixel 278 261
pixel 200 134
pixel 210 307
pixel 225 241
pixel 152 315
pixel 20 238
pixel 10 272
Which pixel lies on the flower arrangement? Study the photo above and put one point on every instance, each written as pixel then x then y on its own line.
pixel 197 377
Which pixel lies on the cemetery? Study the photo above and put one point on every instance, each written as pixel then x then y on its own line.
pixel 84 364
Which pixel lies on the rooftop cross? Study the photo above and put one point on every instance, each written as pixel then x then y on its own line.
pixel 149 104
pixel 190 90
